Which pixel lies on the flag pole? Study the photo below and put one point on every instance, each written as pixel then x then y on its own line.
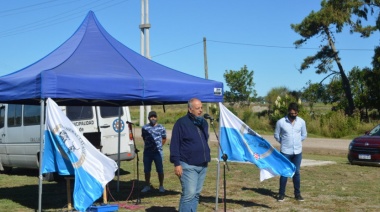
pixel 217 183
pixel 42 128
pixel 224 157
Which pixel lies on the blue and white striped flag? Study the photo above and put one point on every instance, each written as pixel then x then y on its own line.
pixel 68 152
pixel 242 144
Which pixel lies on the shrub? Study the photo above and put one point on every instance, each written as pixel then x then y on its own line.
pixel 232 109
pixel 323 122
pixel 247 114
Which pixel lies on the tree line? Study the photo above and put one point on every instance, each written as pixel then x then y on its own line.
pixel 352 90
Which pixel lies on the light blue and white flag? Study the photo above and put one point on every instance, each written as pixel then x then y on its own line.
pixel 242 144
pixel 68 152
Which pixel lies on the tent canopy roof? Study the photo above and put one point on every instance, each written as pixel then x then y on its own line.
pixel 93 68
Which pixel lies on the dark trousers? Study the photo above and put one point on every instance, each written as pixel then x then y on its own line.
pixel 296 160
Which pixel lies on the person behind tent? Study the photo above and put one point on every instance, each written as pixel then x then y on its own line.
pixel 154 136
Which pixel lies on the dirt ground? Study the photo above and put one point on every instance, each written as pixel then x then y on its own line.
pixel 327 146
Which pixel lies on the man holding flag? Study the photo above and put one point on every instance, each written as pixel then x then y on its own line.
pixel 290 132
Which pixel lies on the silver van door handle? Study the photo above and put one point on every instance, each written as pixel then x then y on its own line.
pixel 105 126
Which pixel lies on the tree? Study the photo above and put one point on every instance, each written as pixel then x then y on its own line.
pixel 360 90
pixel 296 94
pixel 313 93
pixel 241 86
pixel 274 93
pixel 373 81
pixel 365 8
pixel 279 99
pixel 334 14
pixel 374 76
pixel 335 95
pixel 373 84
pixel 370 87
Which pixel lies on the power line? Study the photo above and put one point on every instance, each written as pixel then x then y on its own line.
pixel 2 12
pixel 56 19
pixel 281 47
pixel 255 45
pixel 178 49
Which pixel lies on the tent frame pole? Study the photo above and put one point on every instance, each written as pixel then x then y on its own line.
pixel 42 142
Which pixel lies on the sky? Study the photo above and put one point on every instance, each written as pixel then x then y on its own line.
pixel 238 33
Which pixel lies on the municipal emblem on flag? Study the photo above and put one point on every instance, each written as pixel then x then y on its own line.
pixel 242 144
pixel 68 152
pixel 257 156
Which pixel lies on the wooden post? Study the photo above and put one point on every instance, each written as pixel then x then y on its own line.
pixel 68 188
pixel 105 195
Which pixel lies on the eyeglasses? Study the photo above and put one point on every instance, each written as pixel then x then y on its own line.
pixel 293 114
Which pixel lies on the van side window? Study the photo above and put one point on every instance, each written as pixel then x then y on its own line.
pixel 14 115
pixel 106 112
pixel 2 116
pixel 75 113
pixel 32 115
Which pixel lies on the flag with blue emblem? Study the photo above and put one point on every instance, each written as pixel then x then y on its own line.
pixel 68 152
pixel 242 144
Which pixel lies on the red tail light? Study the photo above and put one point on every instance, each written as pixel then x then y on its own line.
pixel 130 132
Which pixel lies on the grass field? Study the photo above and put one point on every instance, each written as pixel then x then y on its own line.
pixel 321 124
pixel 337 187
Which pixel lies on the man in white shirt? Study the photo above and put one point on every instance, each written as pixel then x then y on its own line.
pixel 290 132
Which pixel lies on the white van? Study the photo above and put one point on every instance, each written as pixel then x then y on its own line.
pixel 20 132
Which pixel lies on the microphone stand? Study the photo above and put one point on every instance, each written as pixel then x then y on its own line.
pixel 224 157
pixel 138 200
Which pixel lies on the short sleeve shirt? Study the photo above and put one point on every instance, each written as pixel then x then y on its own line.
pixel 153 136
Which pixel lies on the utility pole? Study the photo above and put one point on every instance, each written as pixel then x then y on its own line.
pixel 206 67
pixel 205 57
pixel 145 49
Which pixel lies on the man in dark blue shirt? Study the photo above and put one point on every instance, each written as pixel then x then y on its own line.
pixel 190 154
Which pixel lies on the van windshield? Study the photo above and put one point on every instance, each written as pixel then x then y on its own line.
pixel 106 112
pixel 79 112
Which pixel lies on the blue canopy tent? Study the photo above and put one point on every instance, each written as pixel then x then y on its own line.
pixel 93 68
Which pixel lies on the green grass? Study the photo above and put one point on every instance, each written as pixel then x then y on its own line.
pixel 337 187
pixel 323 124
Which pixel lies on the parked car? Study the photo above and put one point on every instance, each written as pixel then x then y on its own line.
pixel 365 149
